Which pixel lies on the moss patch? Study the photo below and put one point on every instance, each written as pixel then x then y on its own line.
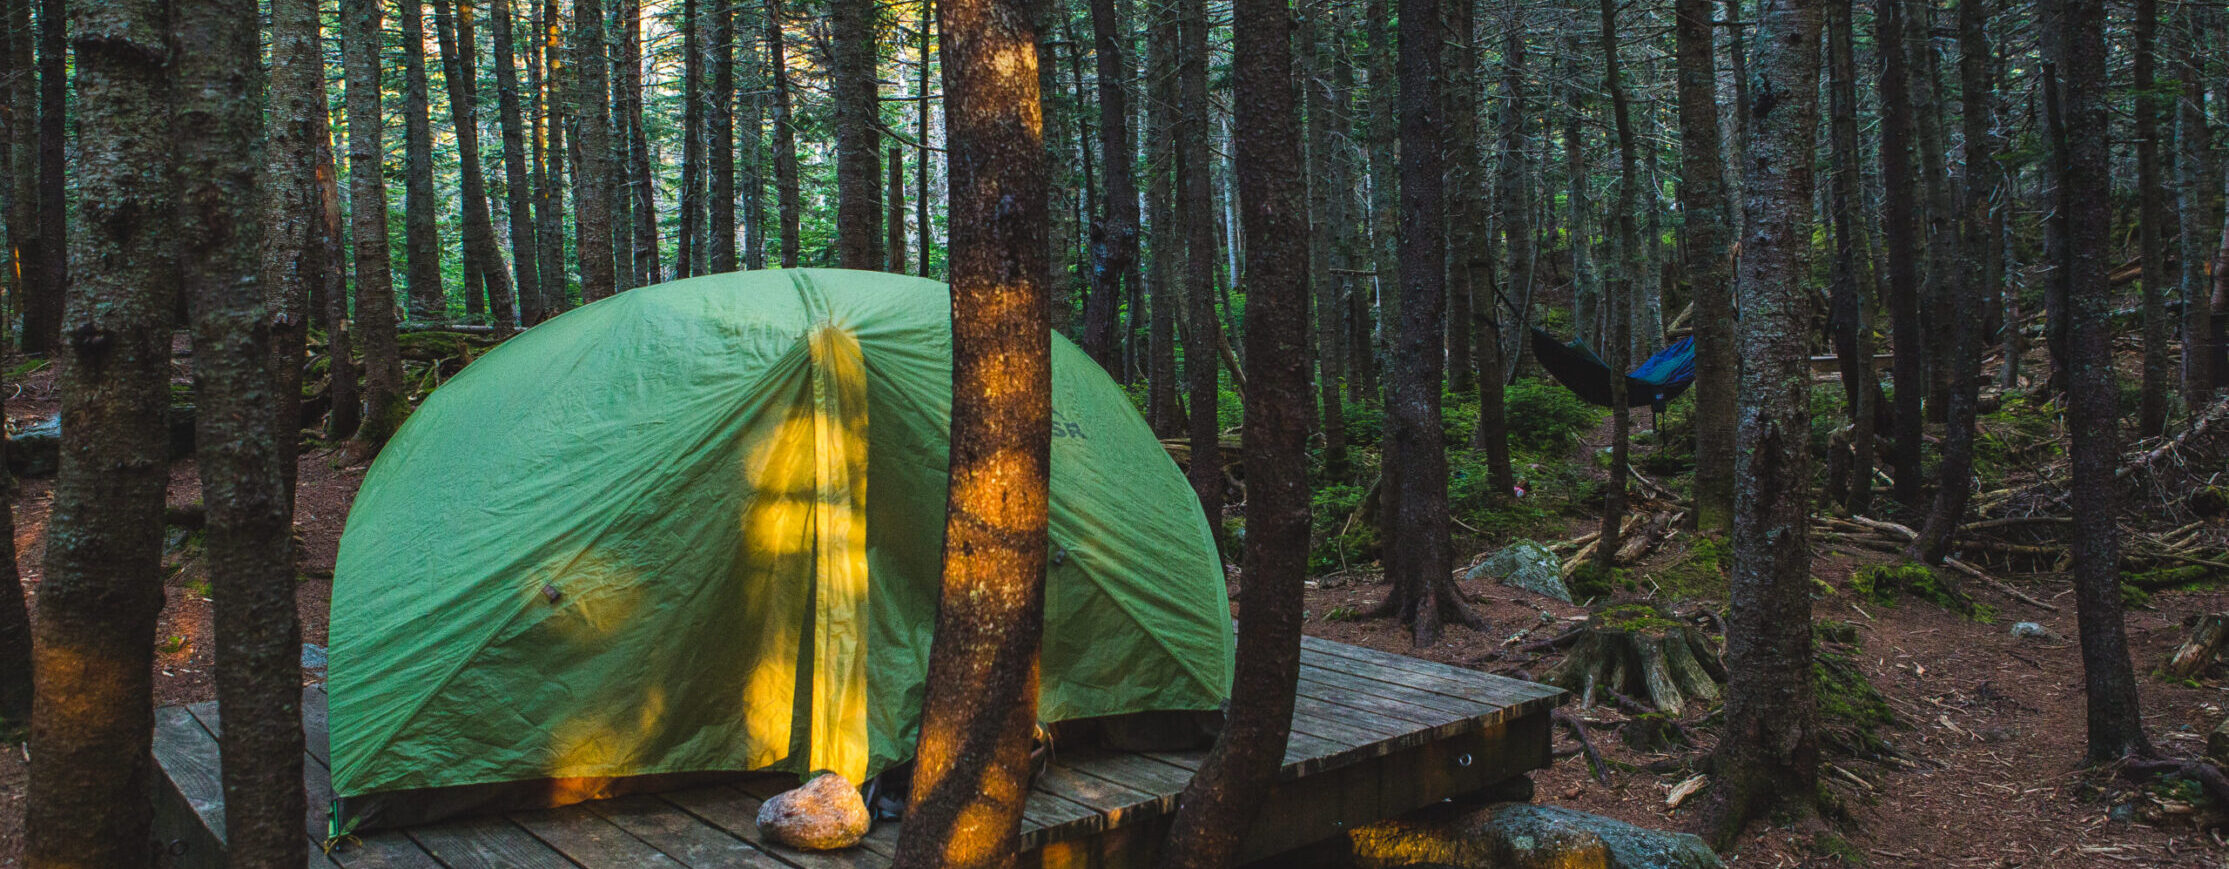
pixel 1885 583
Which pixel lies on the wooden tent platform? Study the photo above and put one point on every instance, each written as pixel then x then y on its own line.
pixel 1374 735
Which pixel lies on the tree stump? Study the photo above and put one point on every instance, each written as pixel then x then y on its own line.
pixel 1634 650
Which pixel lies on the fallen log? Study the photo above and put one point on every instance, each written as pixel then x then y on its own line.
pixel 2199 651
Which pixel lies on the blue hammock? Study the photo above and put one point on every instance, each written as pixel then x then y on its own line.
pixel 1659 380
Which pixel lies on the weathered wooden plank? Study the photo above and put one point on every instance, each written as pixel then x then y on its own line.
pixel 1403 693
pixel 1138 772
pixel 1518 692
pixel 487 843
pixel 680 835
pixel 374 850
pixel 1103 804
pixel 1416 715
pixel 589 840
pixel 736 813
pixel 186 752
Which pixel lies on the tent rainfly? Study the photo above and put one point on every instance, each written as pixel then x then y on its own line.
pixel 696 528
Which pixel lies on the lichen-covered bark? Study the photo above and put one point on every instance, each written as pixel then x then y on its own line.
pixel 2077 55
pixel 858 111
pixel 297 251
pixel 1769 754
pixel 384 405
pixel 1709 273
pixel 421 235
pixel 1219 804
pixel 971 773
pixel 93 709
pixel 217 125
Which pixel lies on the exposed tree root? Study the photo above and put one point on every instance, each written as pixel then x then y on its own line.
pixel 1635 651
pixel 1578 731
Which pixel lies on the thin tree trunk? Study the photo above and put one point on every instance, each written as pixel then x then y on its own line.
pixel 518 186
pixel 641 231
pixel 218 124
pixel 1327 201
pixel 752 128
pixel 93 708
pixel 1515 182
pixel 1853 282
pixel 384 404
pixel 1195 213
pixel 1954 474
pixel 483 264
pixel 693 238
pixel 421 231
pixel 1219 804
pixel 785 136
pixel 1768 756
pixel 720 136
pixel 921 119
pixel 296 251
pixel 347 408
pixel 1943 254
pixel 895 245
pixel 1163 408
pixel 2200 201
pixel 1114 237
pixel 46 299
pixel 593 187
pixel 1467 255
pixel 1385 205
pixel 2078 52
pixel 1702 191
pixel 19 134
pixel 971 774
pixel 1617 294
pixel 1899 230
pixel 2153 224
pixel 858 111
pixel 15 613
pixel 1586 290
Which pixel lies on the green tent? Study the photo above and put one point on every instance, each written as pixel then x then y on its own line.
pixel 697 526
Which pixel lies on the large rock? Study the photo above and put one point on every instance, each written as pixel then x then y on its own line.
pixel 1526 565
pixel 1524 836
pixel 824 815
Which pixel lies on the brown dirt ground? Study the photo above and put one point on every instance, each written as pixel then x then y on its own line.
pixel 1996 723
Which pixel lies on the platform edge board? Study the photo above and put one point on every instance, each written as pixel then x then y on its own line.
pixel 736 813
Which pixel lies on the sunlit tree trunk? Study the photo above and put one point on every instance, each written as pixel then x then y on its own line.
pixel 2077 79
pixel 971 773
pixel 1768 756
pixel 384 403
pixel 93 709
pixel 1227 792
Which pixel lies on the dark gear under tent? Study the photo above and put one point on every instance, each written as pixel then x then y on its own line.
pixel 1655 383
pixel 697 528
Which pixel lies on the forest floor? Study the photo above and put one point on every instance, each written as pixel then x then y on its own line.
pixel 1994 724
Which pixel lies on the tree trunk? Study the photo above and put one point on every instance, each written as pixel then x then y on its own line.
pixel 1469 257
pixel 45 299
pixel 1851 317
pixel 1423 588
pixel 384 403
pixel 971 774
pixel 720 137
pixel 2152 223
pixel 641 191
pixel 1327 201
pixel 1899 230
pixel 19 134
pixel 2200 200
pixel 421 232
pixel 1383 317
pixel 785 136
pixel 1617 295
pixel 858 118
pixel 1702 191
pixel 517 184
pixel 217 126
pixel 1586 291
pixel 296 251
pixel 921 169
pixel 693 140
pixel 592 187
pixel 15 613
pixel 347 407
pixel 1195 213
pixel 2077 51
pixel 1768 755
pixel 1224 796
pixel 549 209
pixel 752 146
pixel 1515 182
pixel 1955 474
pixel 1943 254
pixel 92 711
pixel 483 264
pixel 1164 410
pixel 1114 237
